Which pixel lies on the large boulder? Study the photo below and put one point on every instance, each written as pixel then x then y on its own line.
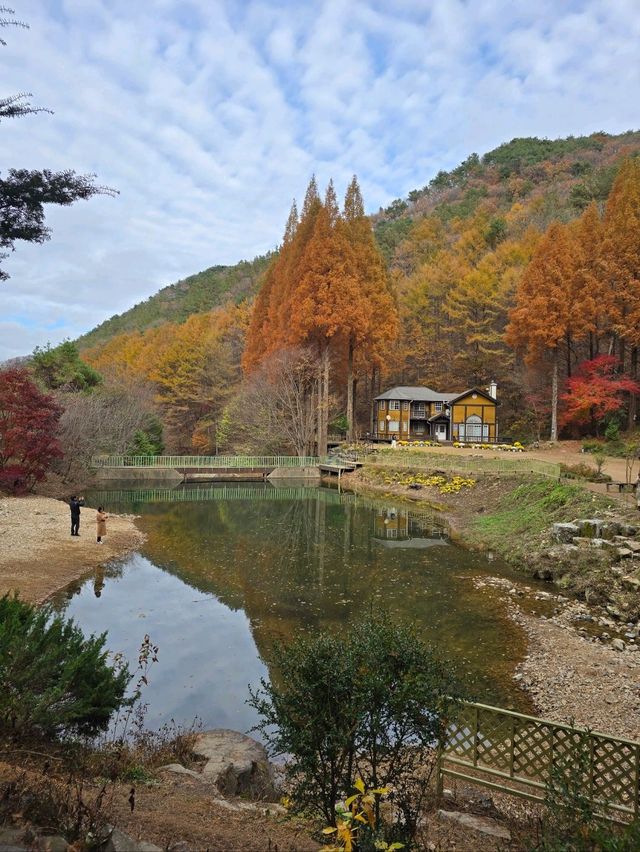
pixel 565 533
pixel 236 764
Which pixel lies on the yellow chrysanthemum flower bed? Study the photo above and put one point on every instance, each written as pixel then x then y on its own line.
pixel 444 485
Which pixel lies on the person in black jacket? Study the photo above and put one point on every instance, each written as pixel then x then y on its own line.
pixel 74 505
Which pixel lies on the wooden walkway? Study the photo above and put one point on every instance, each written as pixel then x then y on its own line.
pixel 339 465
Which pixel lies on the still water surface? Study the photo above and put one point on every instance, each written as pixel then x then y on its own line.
pixel 228 570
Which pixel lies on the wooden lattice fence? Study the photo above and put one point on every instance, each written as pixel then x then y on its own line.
pixel 521 755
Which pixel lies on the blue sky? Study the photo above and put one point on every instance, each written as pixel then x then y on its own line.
pixel 210 116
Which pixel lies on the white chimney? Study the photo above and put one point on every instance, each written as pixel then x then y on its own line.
pixel 493 389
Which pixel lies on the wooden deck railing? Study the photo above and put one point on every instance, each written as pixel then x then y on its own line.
pixel 520 755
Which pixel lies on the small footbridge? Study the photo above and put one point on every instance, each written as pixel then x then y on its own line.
pixel 210 468
pixel 203 468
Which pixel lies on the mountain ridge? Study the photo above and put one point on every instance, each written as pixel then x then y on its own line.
pixel 555 178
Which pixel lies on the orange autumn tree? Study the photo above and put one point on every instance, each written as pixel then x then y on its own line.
pixel 547 311
pixel 368 339
pixel 620 266
pixel 327 290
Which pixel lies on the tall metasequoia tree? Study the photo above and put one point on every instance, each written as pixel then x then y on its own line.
pixel 621 264
pixel 595 294
pixel 546 311
pixel 326 304
pixel 327 289
pixel 377 322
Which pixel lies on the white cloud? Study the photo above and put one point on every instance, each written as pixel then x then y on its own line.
pixel 209 116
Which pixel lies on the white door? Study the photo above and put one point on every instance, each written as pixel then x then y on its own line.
pixel 441 431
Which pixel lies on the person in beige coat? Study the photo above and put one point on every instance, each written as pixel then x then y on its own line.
pixel 101 523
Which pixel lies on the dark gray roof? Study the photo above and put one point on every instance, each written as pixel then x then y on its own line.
pixel 417 394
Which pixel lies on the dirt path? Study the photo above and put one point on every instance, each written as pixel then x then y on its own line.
pixel 564 452
pixel 38 556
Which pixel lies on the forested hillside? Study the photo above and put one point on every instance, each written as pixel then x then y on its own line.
pixel 201 292
pixel 456 253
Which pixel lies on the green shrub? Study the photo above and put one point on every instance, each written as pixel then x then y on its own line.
pixel 612 432
pixel 54 680
pixel 371 705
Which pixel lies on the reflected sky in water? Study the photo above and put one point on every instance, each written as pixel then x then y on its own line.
pixel 228 570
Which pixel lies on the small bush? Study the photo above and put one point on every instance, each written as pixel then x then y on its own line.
pixel 585 471
pixel 612 432
pixel 372 705
pixel 54 680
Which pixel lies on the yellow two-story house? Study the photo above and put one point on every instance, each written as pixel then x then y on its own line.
pixel 415 413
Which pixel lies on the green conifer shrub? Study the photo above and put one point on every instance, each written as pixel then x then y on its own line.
pixel 55 681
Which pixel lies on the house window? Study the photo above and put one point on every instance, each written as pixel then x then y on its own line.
pixel 382 405
pixel 394 426
pixel 438 407
pixel 405 426
pixel 405 406
pixel 394 405
pixel 418 409
pixel 473 429
pixel 381 426
pixel 419 428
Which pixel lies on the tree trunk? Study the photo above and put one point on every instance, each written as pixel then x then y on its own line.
pixel 554 397
pixel 350 407
pixel 373 414
pixel 323 400
pixel 633 399
pixel 568 339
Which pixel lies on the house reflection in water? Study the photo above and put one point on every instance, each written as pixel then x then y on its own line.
pixel 406 529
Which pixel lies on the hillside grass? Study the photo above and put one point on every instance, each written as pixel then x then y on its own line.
pixel 523 518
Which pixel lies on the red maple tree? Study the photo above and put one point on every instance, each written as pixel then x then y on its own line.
pixel 28 427
pixel 596 389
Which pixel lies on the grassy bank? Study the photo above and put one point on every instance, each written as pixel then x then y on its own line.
pixel 522 518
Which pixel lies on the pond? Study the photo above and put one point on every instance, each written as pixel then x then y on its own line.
pixel 229 570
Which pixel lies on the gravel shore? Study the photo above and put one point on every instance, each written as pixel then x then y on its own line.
pixel 572 674
pixel 38 555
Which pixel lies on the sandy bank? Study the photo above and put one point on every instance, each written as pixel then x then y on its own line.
pixel 38 556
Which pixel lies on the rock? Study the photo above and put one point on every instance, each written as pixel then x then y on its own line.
pixel 624 553
pixel 236 764
pixel 564 533
pixel 180 846
pixel 590 527
pixel 631 582
pixel 11 840
pixel 610 529
pixel 618 644
pixel 628 530
pixel 52 843
pixel 484 825
pixel 118 841
pixel 179 769
pixel 634 546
